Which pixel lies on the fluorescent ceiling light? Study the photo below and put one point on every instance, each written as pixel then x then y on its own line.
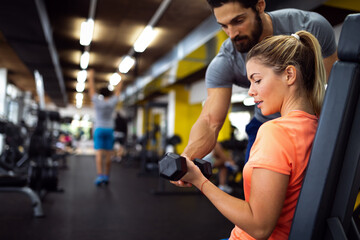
pixel 126 64
pixel 115 79
pixel 79 96
pixel 111 87
pixel 82 75
pixel 145 38
pixel 86 32
pixel 79 100
pixel 84 60
pixel 78 104
pixel 80 87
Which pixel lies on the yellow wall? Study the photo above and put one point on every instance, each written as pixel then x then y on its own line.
pixel 192 63
pixel 345 4
pixel 221 37
pixel 197 60
pixel 225 132
pixel 357 203
pixel 186 115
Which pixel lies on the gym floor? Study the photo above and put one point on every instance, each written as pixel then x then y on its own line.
pixel 126 209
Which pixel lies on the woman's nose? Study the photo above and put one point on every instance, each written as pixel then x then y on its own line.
pixel 251 91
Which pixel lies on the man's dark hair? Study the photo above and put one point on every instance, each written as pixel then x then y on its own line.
pixel 105 92
pixel 245 3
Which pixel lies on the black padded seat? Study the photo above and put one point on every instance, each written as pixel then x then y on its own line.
pixel 12 181
pixel 332 180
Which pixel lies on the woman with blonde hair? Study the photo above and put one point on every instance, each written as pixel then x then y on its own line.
pixel 287 75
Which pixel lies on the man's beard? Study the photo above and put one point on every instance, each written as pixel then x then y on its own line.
pixel 250 41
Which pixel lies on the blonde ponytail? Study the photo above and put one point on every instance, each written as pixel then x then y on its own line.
pixel 316 94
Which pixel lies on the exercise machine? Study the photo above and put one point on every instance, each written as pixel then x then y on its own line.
pixel 331 184
pixel 13 180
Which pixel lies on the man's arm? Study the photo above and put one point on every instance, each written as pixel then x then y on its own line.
pixel 204 133
pixel 328 63
pixel 90 77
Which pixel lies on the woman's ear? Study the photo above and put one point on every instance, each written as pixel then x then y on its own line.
pixel 290 73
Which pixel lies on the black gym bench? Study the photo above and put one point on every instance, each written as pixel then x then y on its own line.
pixel 17 184
pixel 331 184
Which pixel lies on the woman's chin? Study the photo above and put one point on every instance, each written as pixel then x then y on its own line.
pixel 266 113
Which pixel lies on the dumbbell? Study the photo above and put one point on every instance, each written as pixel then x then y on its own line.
pixel 173 166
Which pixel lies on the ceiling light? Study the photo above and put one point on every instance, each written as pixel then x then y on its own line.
pixel 78 104
pixel 145 38
pixel 111 87
pixel 79 100
pixel 126 64
pixel 86 32
pixel 84 60
pixel 115 79
pixel 79 96
pixel 82 75
pixel 80 87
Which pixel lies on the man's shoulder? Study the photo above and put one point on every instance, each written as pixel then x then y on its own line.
pixel 286 21
pixel 297 15
pixel 229 54
pixel 289 13
pixel 225 56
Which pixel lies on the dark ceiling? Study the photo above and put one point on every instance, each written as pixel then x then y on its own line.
pixel 44 35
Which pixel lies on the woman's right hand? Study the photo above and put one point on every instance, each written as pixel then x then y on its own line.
pixel 193 174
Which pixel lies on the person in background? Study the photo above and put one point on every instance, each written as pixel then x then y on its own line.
pixel 221 160
pixel 120 134
pixel 246 23
pixel 286 75
pixel 104 104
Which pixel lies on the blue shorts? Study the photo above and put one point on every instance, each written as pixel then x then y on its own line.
pixel 104 138
pixel 251 130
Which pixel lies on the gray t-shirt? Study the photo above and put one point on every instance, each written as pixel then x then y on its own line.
pixel 228 67
pixel 104 110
